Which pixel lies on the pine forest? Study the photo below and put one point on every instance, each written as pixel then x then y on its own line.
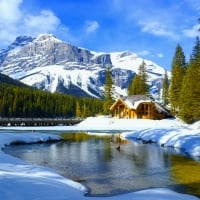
pixel 26 102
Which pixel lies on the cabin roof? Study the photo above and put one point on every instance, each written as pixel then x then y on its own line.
pixel 132 101
pixel 134 98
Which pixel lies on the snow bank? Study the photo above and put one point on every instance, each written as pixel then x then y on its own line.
pixel 9 138
pixel 166 132
pixel 188 140
pixel 108 123
pixel 19 180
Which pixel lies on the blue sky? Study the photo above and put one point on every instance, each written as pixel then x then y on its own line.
pixel 150 28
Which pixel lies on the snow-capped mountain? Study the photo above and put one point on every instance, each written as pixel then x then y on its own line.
pixel 51 64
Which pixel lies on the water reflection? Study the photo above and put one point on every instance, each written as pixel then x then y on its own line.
pixel 187 174
pixel 106 170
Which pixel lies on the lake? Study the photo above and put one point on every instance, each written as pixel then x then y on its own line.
pixel 106 170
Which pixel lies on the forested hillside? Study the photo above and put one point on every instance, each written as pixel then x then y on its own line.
pixel 26 102
pixel 4 79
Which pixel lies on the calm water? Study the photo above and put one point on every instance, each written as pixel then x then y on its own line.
pixel 99 165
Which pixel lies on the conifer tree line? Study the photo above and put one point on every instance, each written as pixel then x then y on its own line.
pixel 26 102
pixel 184 90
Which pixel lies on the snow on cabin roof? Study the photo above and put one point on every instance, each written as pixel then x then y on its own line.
pixel 137 103
pixel 134 100
pixel 161 109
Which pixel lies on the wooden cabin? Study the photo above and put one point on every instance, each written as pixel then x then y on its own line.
pixel 138 107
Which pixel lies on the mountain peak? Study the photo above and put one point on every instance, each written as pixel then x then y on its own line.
pixel 20 41
pixel 52 64
pixel 47 37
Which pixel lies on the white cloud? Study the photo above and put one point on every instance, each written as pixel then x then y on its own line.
pixel 156 28
pixel 160 55
pixel 161 19
pixel 192 32
pixel 10 12
pixel 46 21
pixel 14 21
pixel 9 18
pixel 91 26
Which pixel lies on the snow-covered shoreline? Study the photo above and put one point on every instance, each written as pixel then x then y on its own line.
pixel 185 140
pixel 20 180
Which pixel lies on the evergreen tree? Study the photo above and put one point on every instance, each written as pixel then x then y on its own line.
pixel 78 109
pixel 139 83
pixel 144 77
pixel 165 89
pixel 196 52
pixel 108 93
pixel 84 111
pixel 190 93
pixel 178 71
pixel 134 87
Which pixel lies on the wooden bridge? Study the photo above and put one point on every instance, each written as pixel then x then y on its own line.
pixel 39 121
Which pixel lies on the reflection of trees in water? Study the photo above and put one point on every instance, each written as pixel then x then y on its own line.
pixel 83 136
pixel 144 157
pixel 116 139
pixel 186 172
pixel 75 137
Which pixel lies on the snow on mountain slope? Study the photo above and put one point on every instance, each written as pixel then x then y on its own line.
pixel 125 60
pixel 130 61
pixel 51 64
pixel 48 77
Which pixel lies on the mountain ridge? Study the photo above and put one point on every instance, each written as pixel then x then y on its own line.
pixel 6 80
pixel 49 63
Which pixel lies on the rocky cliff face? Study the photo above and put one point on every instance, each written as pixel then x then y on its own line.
pixel 51 64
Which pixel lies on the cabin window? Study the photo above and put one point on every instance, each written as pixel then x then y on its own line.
pixel 145 109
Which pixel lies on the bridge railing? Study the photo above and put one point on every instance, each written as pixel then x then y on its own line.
pixel 38 121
